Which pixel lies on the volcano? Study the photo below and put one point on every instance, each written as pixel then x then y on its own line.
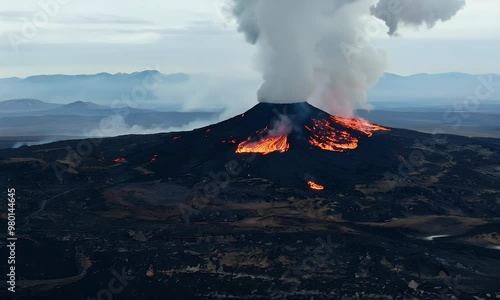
pixel 289 144
pixel 283 200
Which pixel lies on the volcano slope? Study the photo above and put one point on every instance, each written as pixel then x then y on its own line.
pixel 283 201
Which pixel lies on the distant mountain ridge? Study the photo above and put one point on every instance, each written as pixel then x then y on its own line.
pixel 35 107
pixel 87 104
pixel 104 88
pixel 102 75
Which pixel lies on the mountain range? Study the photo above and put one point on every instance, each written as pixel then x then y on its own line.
pixel 102 88
pixel 172 89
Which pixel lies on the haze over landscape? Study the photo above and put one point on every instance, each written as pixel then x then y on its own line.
pixel 250 149
pixel 186 82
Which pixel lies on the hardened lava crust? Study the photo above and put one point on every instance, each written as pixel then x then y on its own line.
pixel 282 201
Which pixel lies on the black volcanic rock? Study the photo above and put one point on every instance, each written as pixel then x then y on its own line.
pixel 199 152
pixel 405 215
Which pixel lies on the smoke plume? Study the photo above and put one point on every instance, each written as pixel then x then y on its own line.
pixel 319 50
pixel 415 12
pixel 283 126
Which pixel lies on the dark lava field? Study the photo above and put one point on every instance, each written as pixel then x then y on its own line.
pixel 401 214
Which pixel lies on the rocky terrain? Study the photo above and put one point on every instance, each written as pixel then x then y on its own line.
pixel 403 215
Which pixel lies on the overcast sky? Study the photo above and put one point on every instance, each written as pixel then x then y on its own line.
pixel 194 36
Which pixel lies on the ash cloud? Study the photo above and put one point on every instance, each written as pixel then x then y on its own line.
pixel 319 50
pixel 415 12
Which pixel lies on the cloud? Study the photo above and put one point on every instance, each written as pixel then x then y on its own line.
pixel 103 19
pixel 14 15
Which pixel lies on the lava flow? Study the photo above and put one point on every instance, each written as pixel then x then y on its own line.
pixel 265 145
pixel 313 185
pixel 359 125
pixel 270 140
pixel 325 136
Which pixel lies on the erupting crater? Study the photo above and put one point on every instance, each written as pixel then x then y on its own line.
pixel 322 130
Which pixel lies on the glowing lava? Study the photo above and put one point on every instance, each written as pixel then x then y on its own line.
pixel 313 185
pixel 326 137
pixel 119 160
pixel 327 133
pixel 360 125
pixel 265 145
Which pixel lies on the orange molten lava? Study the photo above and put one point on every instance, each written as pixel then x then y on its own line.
pixel 119 160
pixel 313 185
pixel 327 137
pixel 359 125
pixel 324 136
pixel 265 145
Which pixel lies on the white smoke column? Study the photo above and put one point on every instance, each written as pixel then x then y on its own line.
pixel 415 12
pixel 301 54
pixel 319 50
pixel 348 65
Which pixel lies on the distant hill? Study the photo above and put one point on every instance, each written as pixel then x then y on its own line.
pixel 83 105
pixel 34 107
pixel 25 105
pixel 30 117
pixel 80 108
